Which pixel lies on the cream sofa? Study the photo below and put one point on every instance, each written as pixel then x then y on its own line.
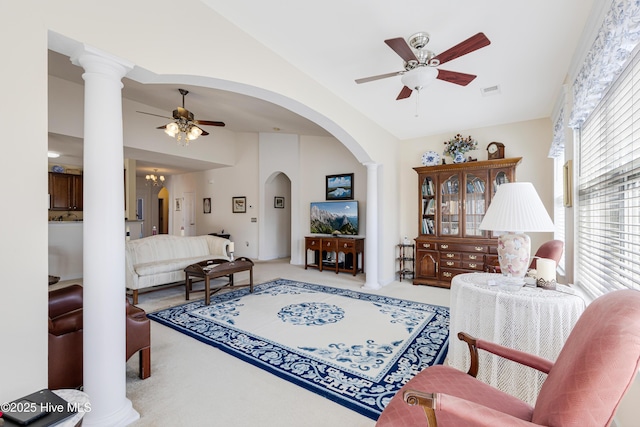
pixel 161 259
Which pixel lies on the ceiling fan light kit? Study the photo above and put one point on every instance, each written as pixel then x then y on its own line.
pixel 419 78
pixel 184 128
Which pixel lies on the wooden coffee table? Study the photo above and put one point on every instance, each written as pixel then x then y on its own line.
pixel 214 268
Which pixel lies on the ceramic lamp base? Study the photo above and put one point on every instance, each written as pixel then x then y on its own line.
pixel 514 251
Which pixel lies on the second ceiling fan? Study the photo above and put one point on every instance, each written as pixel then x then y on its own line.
pixel 420 64
pixel 184 126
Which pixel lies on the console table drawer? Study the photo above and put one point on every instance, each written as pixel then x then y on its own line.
pixel 313 244
pixel 329 244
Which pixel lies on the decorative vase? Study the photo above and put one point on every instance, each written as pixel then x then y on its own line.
pixel 458 158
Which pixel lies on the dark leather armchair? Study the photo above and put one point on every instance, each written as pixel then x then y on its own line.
pixel 139 338
pixel 65 338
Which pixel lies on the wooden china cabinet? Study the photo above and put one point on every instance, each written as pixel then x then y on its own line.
pixel 452 200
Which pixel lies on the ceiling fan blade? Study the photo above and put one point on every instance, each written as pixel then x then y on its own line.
pixel 400 46
pixel 151 114
pixel 461 79
pixel 469 45
pixel 204 132
pixel 208 123
pixel 404 93
pixel 381 76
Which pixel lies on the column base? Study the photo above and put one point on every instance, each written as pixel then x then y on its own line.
pixel 123 417
pixel 371 285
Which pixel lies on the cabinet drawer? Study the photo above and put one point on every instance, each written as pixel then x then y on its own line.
pixel 447 275
pixel 313 244
pixel 449 256
pixel 348 245
pixel 479 258
pixel 463 248
pixel 426 245
pixel 473 265
pixel 329 245
pixel 445 263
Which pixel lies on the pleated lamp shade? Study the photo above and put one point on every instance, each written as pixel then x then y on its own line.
pixel 516 208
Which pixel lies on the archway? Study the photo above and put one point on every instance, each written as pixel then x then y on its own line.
pixel 277 217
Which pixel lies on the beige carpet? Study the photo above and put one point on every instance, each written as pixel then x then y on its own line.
pixel 193 384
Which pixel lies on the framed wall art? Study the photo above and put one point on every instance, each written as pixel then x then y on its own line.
pixel 239 204
pixel 206 205
pixel 278 202
pixel 178 204
pixel 339 187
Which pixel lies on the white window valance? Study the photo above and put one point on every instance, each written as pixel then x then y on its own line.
pixel 611 50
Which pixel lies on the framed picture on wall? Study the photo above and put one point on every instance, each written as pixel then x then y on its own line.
pixel 339 187
pixel 278 202
pixel 178 204
pixel 239 204
pixel 206 205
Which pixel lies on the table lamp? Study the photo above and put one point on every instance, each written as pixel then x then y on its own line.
pixel 516 208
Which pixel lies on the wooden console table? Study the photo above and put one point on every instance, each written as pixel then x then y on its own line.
pixel 327 250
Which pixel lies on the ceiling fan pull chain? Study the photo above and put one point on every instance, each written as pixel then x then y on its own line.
pixel 417 103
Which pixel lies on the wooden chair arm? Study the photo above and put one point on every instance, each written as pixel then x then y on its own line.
pixel 473 351
pixel 530 360
pixel 427 402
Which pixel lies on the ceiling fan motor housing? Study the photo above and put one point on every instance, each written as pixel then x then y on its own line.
pixel 182 113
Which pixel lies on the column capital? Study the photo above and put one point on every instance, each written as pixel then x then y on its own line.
pixel 96 61
pixel 371 164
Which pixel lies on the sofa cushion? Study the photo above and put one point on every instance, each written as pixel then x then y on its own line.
pixel 168 265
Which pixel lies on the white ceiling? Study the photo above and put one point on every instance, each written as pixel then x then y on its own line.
pixel 338 41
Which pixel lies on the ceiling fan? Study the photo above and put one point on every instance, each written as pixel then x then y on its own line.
pixel 420 64
pixel 184 125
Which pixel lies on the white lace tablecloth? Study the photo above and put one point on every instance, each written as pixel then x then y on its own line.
pixel 533 320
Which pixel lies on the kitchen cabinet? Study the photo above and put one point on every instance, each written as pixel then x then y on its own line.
pixel 65 192
pixel 452 201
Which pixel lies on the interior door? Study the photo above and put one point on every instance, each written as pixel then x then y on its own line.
pixel 189 214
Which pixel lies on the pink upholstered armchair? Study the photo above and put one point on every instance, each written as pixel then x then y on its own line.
pixel 584 386
pixel 552 250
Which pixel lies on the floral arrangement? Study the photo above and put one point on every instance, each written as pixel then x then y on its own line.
pixel 459 145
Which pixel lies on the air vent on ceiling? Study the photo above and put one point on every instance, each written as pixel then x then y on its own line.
pixel 491 90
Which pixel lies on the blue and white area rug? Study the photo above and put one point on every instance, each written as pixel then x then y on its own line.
pixel 354 348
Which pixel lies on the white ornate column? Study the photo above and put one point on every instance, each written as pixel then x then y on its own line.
pixel 371 240
pixel 104 329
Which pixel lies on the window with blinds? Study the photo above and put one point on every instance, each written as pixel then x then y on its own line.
pixel 608 223
pixel 558 205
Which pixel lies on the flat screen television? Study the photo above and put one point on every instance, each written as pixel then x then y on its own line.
pixel 340 217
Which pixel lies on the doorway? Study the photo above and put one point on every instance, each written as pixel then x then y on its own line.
pixel 163 211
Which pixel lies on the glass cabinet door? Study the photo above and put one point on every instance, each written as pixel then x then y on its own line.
pixel 450 206
pixel 501 178
pixel 428 208
pixel 475 204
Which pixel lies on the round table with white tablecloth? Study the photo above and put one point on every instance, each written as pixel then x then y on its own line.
pixel 530 319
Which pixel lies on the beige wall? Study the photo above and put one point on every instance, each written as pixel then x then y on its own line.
pixel 23 224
